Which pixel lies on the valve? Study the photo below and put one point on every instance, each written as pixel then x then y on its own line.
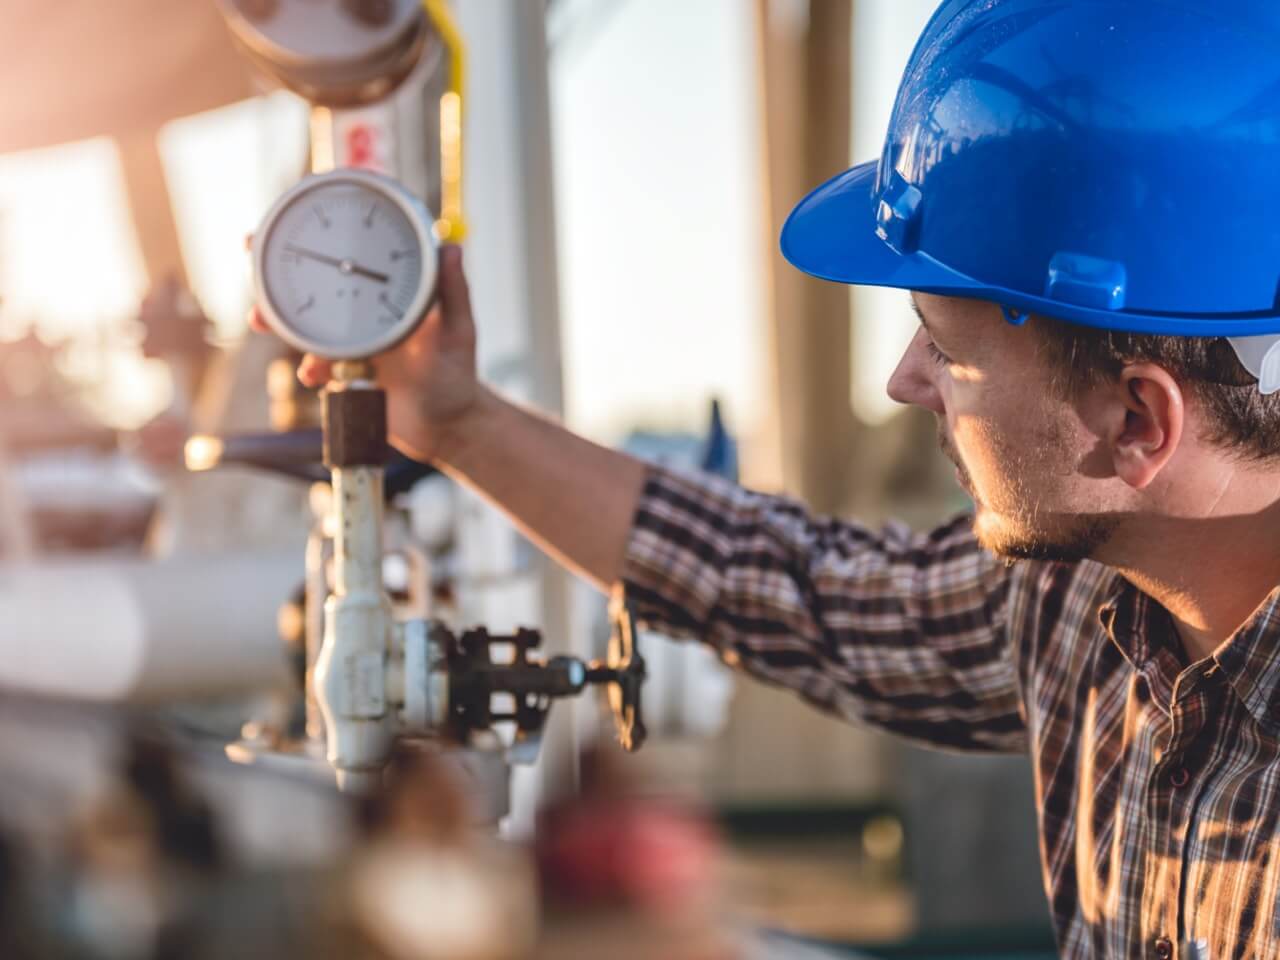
pixel 474 677
pixel 624 673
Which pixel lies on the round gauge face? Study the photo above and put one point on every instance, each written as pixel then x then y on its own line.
pixel 345 264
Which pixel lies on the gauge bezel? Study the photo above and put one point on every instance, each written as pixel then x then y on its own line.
pixel 424 230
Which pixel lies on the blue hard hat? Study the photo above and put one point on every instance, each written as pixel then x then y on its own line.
pixel 1114 163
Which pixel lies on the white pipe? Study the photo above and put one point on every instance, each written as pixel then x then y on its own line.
pixel 136 630
pixel 511 258
pixel 351 671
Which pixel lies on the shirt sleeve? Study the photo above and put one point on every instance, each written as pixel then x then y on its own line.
pixel 898 630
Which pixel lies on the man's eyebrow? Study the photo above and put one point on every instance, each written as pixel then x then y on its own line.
pixel 915 308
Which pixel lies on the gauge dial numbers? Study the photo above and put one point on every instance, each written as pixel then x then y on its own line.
pixel 344 264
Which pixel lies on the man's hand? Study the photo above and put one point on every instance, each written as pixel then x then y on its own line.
pixel 573 498
pixel 430 377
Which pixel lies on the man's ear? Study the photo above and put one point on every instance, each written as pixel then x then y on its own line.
pixel 1155 415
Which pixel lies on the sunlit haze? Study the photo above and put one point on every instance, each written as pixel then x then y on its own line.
pixel 660 206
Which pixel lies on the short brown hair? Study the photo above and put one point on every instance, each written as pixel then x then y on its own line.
pixel 1239 418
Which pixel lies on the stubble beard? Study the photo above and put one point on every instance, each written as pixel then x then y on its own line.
pixel 1023 531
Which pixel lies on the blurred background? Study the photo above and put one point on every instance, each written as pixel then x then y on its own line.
pixel 628 168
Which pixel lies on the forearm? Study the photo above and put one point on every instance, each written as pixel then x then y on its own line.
pixel 903 631
pixel 575 499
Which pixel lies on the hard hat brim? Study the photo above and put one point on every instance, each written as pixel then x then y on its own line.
pixel 831 235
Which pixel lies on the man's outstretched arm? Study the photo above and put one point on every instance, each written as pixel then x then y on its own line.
pixel 575 499
pixel 895 629
pixel 901 631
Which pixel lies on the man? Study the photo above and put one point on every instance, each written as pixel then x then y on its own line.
pixel 1111 607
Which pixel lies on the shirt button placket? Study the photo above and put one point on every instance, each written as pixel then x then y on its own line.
pixel 1163 948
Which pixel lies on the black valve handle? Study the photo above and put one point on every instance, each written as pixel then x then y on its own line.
pixel 474 677
pixel 300 454
pixel 293 453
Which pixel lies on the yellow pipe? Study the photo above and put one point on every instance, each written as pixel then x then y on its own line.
pixel 451 226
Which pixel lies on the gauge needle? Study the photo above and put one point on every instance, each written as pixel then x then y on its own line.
pixel 346 266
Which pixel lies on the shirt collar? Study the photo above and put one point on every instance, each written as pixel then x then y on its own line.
pixel 1124 616
pixel 1250 662
pixel 1249 659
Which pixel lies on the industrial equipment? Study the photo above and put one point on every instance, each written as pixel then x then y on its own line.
pixel 311 264
pixel 345 268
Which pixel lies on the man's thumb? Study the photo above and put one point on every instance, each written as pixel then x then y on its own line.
pixel 455 295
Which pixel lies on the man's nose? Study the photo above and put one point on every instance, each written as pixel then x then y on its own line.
pixel 912 381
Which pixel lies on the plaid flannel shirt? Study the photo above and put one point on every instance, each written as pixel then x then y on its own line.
pixel 1157 781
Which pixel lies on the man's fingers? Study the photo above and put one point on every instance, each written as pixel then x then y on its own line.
pixel 313 371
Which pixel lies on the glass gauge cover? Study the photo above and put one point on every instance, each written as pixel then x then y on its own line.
pixel 345 264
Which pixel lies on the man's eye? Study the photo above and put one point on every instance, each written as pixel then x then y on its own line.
pixel 939 357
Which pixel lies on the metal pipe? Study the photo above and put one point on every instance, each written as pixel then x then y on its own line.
pixel 136 631
pixel 351 671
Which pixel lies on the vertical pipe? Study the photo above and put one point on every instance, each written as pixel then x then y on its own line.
pixel 511 256
pixel 147 189
pixel 357 560
pixel 559 765
pixel 316 589
pixel 350 673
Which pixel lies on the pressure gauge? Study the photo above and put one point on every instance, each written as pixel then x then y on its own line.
pixel 345 264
